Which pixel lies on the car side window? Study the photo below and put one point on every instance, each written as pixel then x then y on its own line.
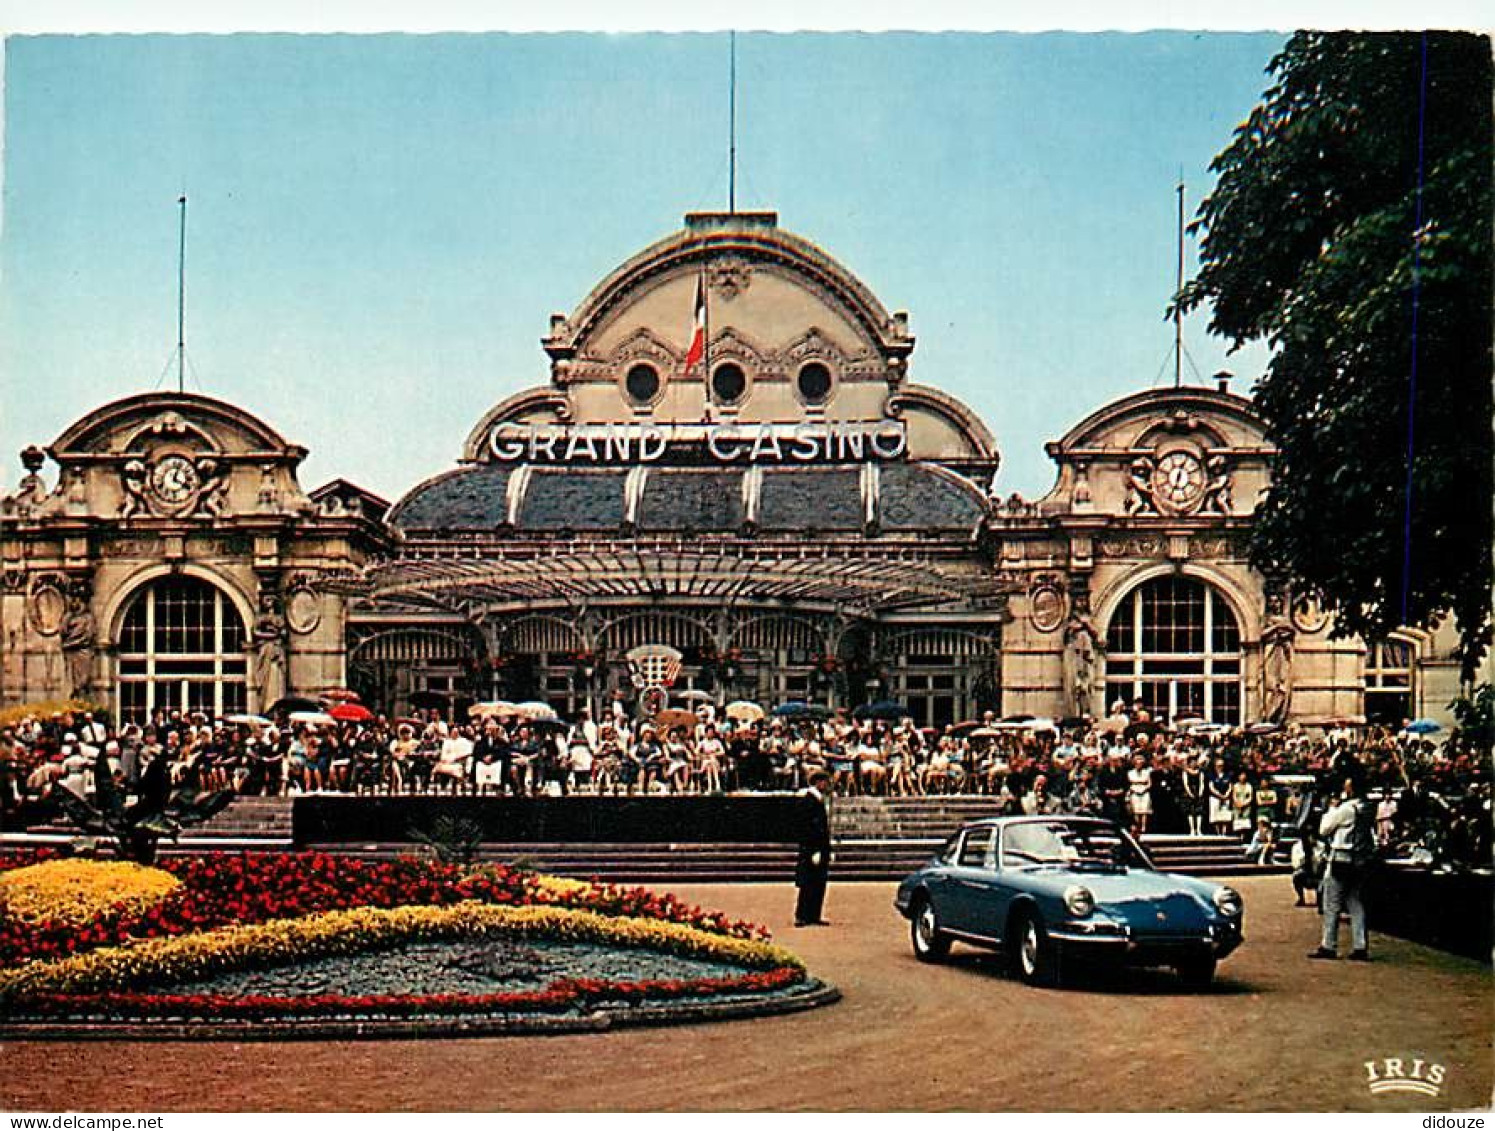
pixel 947 853
pixel 975 850
pixel 1028 844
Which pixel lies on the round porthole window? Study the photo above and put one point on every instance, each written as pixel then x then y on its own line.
pixel 642 383
pixel 814 382
pixel 728 383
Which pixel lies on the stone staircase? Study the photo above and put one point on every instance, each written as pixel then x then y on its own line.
pixel 874 838
pixel 248 819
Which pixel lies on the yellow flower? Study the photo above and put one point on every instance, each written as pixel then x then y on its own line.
pixel 78 891
pixel 561 886
pixel 283 941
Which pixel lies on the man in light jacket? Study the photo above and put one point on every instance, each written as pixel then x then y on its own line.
pixel 1347 831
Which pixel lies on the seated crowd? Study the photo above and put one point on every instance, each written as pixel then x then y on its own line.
pixel 1125 767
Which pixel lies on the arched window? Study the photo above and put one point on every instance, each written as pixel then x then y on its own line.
pixel 181 647
pixel 1388 682
pixel 1174 644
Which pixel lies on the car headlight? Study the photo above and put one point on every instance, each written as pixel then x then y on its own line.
pixel 1228 902
pixel 1078 901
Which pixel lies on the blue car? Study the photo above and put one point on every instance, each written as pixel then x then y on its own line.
pixel 1045 889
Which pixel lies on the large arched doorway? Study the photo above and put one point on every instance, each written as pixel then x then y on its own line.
pixel 1175 644
pixel 181 647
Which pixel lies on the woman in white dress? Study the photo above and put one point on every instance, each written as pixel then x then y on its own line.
pixel 1139 793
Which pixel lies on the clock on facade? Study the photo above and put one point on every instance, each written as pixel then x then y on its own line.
pixel 1178 480
pixel 174 480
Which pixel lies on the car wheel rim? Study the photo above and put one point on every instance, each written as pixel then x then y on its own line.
pixel 926 928
pixel 1030 949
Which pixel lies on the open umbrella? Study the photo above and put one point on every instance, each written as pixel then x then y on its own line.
pixel 340 695
pixel 294 703
pixel 499 708
pixel 691 695
pixel 534 709
pixel 798 709
pixel 1263 728
pixel 965 727
pixel 351 713
pixel 985 732
pixel 247 720
pixel 1208 728
pixel 312 718
pixel 1422 726
pixel 1113 724
pixel 1074 722
pixel 743 711
pixel 1018 719
pixel 674 717
pixel 885 709
pixel 1040 724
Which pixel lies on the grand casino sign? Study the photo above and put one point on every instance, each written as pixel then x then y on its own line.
pixel 725 442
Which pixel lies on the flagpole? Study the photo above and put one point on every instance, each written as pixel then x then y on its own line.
pixel 181 298
pixel 732 128
pixel 706 340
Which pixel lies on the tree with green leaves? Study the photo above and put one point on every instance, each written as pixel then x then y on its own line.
pixel 1350 229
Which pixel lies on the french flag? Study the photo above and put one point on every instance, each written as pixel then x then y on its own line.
pixel 697 348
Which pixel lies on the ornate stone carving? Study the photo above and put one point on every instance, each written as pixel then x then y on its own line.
pixel 1217 498
pixel 79 638
pixel 1138 546
pixel 1277 640
pixel 269 649
pixel 729 277
pixel 212 497
pixel 1047 604
pixel 47 603
pixel 132 483
pixel 1139 487
pixel 31 496
pixel 303 604
pixel 1307 616
pixel 1081 660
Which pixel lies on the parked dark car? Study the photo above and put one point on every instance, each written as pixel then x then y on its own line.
pixel 1048 889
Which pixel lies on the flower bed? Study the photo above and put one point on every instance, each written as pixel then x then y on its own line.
pixel 154 954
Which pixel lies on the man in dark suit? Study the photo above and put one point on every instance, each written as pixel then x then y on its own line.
pixel 813 868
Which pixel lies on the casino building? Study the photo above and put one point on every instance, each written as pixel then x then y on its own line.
pixel 795 517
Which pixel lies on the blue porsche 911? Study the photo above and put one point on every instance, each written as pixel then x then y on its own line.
pixel 1047 889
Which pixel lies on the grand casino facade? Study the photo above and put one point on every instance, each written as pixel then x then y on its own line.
pixel 798 517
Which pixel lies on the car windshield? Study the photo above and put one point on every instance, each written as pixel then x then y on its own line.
pixel 1070 844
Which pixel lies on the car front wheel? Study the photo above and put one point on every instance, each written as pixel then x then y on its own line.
pixel 930 943
pixel 1033 953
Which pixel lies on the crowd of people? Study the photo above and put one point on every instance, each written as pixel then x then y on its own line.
pixel 1125 767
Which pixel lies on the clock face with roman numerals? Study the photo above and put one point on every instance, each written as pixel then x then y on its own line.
pixel 1178 480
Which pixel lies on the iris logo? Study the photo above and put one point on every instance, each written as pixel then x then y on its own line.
pixel 1394 1074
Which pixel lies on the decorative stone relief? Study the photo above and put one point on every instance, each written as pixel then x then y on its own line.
pixel 79 638
pixel 47 606
pixel 1217 498
pixel 729 278
pixel 1139 487
pixel 1047 604
pixel 303 604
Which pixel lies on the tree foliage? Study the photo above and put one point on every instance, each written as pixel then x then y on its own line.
pixel 1352 208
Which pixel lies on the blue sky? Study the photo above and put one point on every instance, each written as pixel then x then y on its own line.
pixel 380 226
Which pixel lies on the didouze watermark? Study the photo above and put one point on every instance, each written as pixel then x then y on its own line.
pixel 724 442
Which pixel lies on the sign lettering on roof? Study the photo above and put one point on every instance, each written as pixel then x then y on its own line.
pixel 723 443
